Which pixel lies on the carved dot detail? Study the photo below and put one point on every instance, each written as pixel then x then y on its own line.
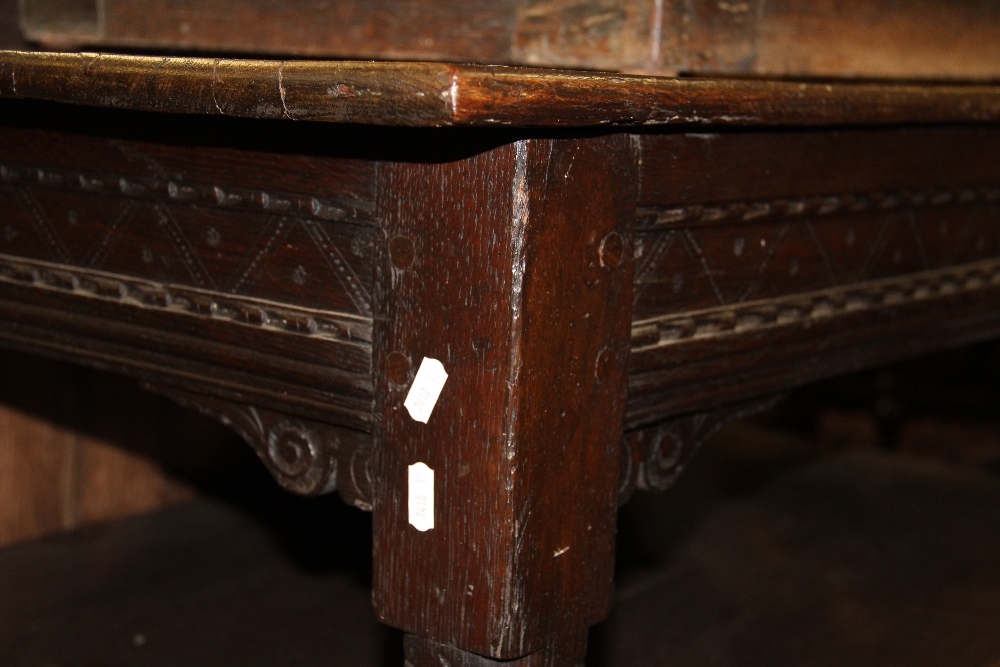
pixel 212 237
pixel 678 283
pixel 739 245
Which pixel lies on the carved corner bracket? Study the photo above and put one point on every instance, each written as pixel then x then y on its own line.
pixel 306 457
pixel 654 457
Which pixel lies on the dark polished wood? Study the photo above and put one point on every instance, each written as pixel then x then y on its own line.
pixel 768 259
pixel 931 39
pixel 519 283
pixel 431 94
pixel 602 298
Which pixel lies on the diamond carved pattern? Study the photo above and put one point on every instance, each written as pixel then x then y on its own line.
pixel 681 269
pixel 312 263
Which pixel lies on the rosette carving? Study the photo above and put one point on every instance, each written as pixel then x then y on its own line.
pixel 306 457
pixel 654 457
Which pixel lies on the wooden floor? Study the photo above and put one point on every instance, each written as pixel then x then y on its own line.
pixel 773 550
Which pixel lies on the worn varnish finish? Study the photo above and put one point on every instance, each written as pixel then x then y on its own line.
pixel 427 94
pixel 601 300
pixel 520 285
pixel 818 38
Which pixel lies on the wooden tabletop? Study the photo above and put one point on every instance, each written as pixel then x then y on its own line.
pixel 439 94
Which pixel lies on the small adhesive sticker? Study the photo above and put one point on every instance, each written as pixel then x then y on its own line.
pixel 421 502
pixel 426 388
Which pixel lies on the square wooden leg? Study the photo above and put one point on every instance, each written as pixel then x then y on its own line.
pixel 512 269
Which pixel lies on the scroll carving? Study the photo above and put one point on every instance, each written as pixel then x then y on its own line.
pixel 654 457
pixel 306 457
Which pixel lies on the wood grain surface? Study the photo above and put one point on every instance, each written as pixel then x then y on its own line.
pixel 769 259
pixel 513 272
pixel 249 265
pixel 54 479
pixel 428 94
pixel 289 279
pixel 932 39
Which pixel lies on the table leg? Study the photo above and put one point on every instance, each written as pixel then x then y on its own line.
pixel 511 268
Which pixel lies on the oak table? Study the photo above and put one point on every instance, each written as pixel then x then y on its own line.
pixel 606 267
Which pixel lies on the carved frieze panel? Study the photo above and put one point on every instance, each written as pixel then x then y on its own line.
pixel 253 243
pixel 247 221
pixel 240 271
pixel 762 254
pixel 770 259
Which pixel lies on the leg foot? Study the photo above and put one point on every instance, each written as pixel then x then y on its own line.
pixel 422 652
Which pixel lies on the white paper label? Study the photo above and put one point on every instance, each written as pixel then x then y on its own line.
pixel 421 502
pixel 426 388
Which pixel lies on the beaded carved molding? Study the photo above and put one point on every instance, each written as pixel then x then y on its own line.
pixel 801 309
pixel 239 241
pixel 179 299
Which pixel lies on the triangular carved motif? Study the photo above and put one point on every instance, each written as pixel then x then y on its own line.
pixel 848 244
pixel 145 249
pixel 225 247
pixel 269 239
pixel 796 260
pixel 38 223
pixel 670 274
pixel 18 235
pixel 306 262
pixel 901 248
pixel 736 258
pixel 86 226
pixel 334 248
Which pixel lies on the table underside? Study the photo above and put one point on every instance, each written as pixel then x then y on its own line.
pixel 236 258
